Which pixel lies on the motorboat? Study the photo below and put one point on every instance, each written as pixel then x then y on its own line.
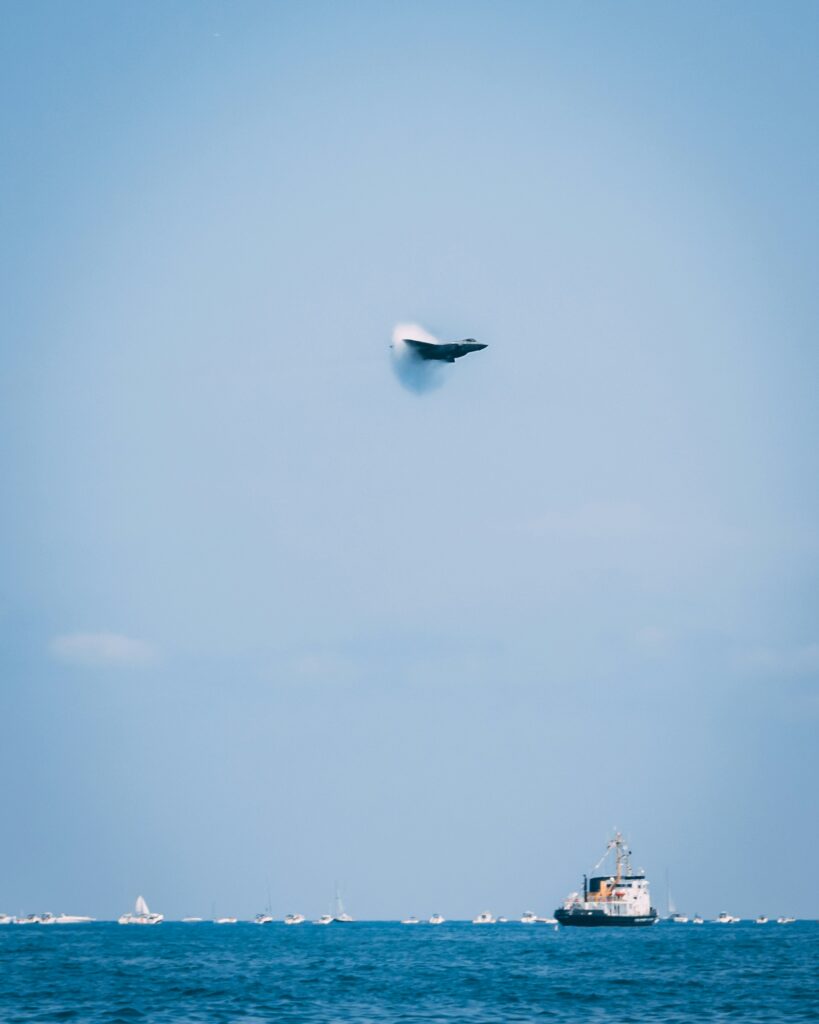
pixel 294 919
pixel 484 918
pixel 29 919
pixel 547 920
pixel 191 920
pixel 785 920
pixel 411 920
pixel 437 919
pixel 141 914
pixel 678 919
pixel 6 919
pixel 263 919
pixel 697 919
pixel 325 919
pixel 225 920
pixel 503 920
pixel 529 917
pixel 71 919
pixel 725 918
pixel 762 919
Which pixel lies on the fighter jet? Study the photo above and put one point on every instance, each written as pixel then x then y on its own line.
pixel 447 353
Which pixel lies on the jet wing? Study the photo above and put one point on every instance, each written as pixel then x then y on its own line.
pixel 425 349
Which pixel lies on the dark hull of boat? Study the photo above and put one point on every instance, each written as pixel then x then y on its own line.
pixel 600 919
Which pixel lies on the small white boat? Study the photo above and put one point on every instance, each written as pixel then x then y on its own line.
pixel 191 920
pixel 411 920
pixel 503 920
pixel 547 920
pixel 484 918
pixel 678 919
pixel 225 920
pixel 762 919
pixel 294 919
pixel 263 919
pixel 6 919
pixel 71 919
pixel 437 919
pixel 725 918
pixel 141 914
pixel 529 917
pixel 29 919
pixel 324 919
pixel 785 920
pixel 341 916
pixel 697 919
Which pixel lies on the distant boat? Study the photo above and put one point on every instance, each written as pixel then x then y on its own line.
pixel 71 919
pixel 340 916
pixel 294 919
pixel 437 919
pixel 503 920
pixel 484 918
pixel 697 919
pixel 191 920
pixel 263 919
pixel 141 914
pixel 324 919
pixel 672 914
pixel 29 919
pixel 762 919
pixel 225 920
pixel 547 920
pixel 411 920
pixel 6 919
pixel 785 920
pixel 725 918
pixel 528 917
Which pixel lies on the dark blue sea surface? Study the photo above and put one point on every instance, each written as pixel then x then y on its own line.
pixel 388 972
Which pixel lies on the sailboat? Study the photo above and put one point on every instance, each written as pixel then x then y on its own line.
pixel 672 909
pixel 141 914
pixel 339 915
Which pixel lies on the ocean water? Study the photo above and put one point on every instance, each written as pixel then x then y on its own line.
pixel 389 972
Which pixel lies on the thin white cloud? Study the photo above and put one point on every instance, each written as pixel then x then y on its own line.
pixel 598 521
pixel 779 661
pixel 101 649
pixel 653 641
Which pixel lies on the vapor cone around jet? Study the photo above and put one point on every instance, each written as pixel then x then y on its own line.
pixel 417 355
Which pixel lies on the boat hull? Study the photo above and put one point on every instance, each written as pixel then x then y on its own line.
pixel 600 919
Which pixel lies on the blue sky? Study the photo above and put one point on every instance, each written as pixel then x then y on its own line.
pixel 269 620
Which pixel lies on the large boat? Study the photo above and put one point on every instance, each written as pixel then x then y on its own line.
pixel 620 899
